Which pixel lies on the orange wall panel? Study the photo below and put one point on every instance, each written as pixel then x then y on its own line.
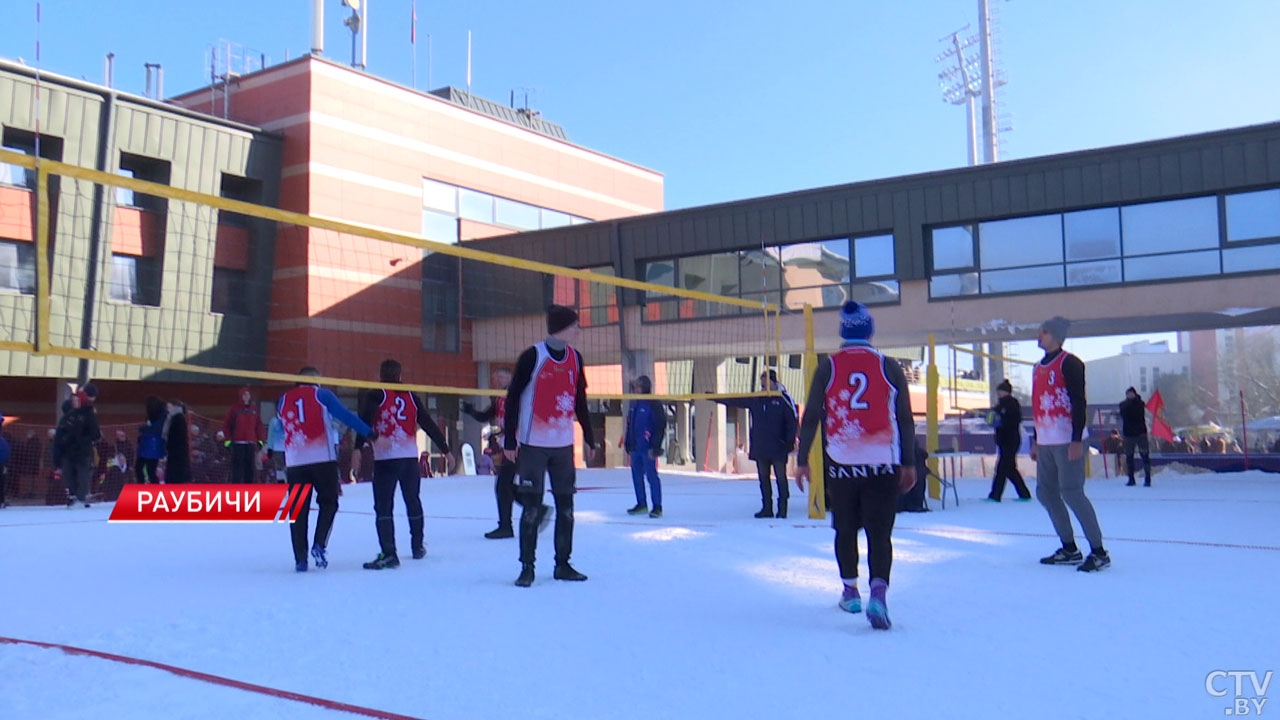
pixel 17 214
pixel 137 232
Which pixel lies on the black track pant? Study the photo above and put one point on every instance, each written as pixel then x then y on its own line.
pixel 386 475
pixel 535 463
pixel 145 470
pixel 779 468
pixel 866 503
pixel 323 478
pixel 504 488
pixel 1143 446
pixel 1007 469
pixel 242 463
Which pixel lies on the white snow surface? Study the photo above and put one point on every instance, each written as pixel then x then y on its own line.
pixel 706 613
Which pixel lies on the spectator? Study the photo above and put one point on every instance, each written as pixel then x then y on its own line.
pixel 177 445
pixel 151 441
pixel 118 463
pixel 1114 445
pixel 773 437
pixel 646 429
pixel 74 440
pixel 1133 414
pixel 243 432
pixel 1007 419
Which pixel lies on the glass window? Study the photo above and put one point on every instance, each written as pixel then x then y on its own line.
pixel 517 214
pixel 760 270
pixel 230 292
pixel 439 196
pixel 819 297
pixel 953 247
pixel 124 196
pixel 879 291
pixel 1094 273
pixel 716 274
pixel 873 255
pixel 15 174
pixel 1032 278
pixel 600 299
pixel 439 227
pixel 1170 226
pixel 1020 241
pixel 815 263
pixel 441 310
pixel 1093 234
pixel 17 267
pixel 476 206
pixel 554 218
pixel 134 280
pixel 952 285
pixel 1248 259
pixel 1171 266
pixel 661 272
pixel 1252 216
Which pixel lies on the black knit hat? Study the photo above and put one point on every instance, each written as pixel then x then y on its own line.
pixel 560 317
pixel 1005 386
pixel 1057 326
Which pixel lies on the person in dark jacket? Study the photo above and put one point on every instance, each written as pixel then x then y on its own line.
pixel 773 437
pixel 244 432
pixel 1007 419
pixel 177 445
pixel 1133 417
pixel 151 441
pixel 75 439
pixel 504 481
pixel 646 429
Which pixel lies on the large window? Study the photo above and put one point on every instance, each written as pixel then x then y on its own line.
pixel 21 141
pixel 822 273
pixel 134 280
pixel 1108 246
pixel 443 204
pixel 230 291
pixel 17 267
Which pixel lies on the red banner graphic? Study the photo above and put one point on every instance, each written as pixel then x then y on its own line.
pixel 209 503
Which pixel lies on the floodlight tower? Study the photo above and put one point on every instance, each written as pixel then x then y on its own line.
pixel 962 82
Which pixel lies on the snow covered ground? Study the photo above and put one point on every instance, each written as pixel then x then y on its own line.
pixel 706 613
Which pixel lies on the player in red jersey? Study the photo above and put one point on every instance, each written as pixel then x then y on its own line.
pixel 860 400
pixel 504 485
pixel 548 391
pixel 302 419
pixel 1058 400
pixel 396 415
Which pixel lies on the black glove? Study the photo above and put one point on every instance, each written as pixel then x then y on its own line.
pixel 655 453
pixel 467 407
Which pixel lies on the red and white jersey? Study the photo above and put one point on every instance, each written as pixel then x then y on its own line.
pixel 500 413
pixel 861 426
pixel 1052 403
pixel 548 403
pixel 305 421
pixel 397 424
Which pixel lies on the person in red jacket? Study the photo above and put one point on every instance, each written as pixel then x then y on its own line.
pixel 244 433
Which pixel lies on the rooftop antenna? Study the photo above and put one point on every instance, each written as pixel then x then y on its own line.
pixel 358 23
pixel 317 28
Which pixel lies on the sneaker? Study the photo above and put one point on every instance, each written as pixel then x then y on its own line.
pixel 638 509
pixel 544 517
pixel 991 499
pixel 1063 556
pixel 765 513
pixel 656 512
pixel 317 553
pixel 86 504
pixel 526 575
pixel 383 562
pixel 1146 484
pixel 1097 560
pixel 419 552
pixel 565 571
pixel 1130 484
pixel 850 600
pixel 300 567
pixel 500 533
pixel 877 608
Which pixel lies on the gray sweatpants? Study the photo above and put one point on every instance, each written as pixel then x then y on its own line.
pixel 1059 484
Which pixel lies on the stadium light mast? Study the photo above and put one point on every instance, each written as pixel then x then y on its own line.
pixel 961 83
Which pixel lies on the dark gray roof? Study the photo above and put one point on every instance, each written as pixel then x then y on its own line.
pixel 523 118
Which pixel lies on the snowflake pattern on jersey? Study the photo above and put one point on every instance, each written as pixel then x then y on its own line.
pixel 298 447
pixel 397 439
pixel 1052 406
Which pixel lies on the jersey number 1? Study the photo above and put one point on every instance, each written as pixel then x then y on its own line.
pixel 302 415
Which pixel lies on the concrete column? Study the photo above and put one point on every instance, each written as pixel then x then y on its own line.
pixel 709 376
pixel 683 415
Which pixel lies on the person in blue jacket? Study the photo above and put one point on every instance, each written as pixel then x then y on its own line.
pixel 773 437
pixel 646 429
pixel 151 448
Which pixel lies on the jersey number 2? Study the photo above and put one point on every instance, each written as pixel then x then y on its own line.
pixel 400 408
pixel 858 381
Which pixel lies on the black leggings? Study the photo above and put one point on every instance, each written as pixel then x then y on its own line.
pixel 1007 469
pixel 145 470
pixel 323 478
pixel 868 504
pixel 386 475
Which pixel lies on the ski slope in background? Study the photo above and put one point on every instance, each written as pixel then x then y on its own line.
pixel 706 613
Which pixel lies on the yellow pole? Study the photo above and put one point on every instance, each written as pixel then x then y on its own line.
pixel 817 486
pixel 43 304
pixel 931 416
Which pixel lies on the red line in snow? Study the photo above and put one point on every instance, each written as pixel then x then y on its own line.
pixel 217 680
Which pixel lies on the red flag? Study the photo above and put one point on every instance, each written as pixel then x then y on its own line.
pixel 1159 427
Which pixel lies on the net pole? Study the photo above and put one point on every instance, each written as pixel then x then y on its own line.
pixel 1244 430
pixel 931 417
pixel 43 303
pixel 817 480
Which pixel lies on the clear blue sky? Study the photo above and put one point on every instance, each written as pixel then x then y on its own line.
pixel 734 100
